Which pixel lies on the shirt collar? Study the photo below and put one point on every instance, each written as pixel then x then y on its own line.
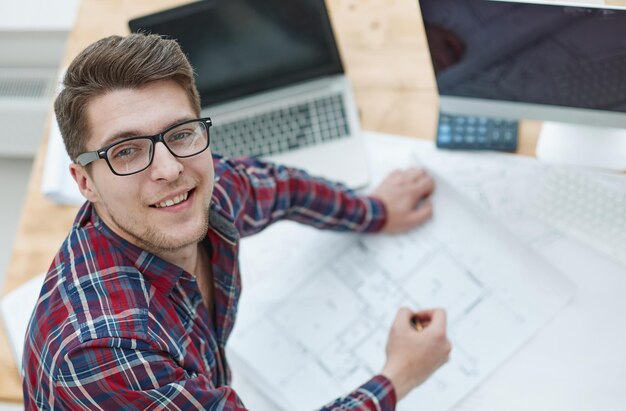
pixel 222 224
pixel 162 274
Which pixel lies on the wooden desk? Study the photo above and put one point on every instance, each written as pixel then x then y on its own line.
pixel 384 53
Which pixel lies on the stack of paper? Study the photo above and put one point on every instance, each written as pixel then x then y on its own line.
pixel 16 309
pixel 57 183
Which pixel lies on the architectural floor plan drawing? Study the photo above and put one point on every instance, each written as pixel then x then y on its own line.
pixel 315 325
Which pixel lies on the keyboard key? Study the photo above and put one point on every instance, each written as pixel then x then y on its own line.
pixel 476 133
pixel 588 210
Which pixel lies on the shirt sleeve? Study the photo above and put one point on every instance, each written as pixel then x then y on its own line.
pixel 97 376
pixel 261 193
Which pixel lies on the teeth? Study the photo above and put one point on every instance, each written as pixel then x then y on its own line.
pixel 172 201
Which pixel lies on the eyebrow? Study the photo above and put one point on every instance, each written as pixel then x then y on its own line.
pixel 121 135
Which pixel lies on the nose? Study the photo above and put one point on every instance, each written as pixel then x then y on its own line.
pixel 165 166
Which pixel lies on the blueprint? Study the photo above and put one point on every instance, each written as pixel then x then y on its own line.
pixel 316 311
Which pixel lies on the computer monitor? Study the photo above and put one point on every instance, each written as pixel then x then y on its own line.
pixel 544 61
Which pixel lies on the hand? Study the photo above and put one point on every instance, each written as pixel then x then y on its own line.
pixel 404 193
pixel 412 356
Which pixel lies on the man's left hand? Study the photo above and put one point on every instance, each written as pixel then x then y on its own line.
pixel 405 195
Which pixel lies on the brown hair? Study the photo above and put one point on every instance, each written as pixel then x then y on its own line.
pixel 112 63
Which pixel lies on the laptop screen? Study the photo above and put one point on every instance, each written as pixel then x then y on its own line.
pixel 241 47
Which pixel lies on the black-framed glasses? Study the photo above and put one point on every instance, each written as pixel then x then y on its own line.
pixel 135 154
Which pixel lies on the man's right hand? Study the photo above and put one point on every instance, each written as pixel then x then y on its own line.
pixel 412 355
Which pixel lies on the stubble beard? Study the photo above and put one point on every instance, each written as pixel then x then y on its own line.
pixel 157 241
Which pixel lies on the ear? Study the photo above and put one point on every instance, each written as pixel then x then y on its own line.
pixel 84 182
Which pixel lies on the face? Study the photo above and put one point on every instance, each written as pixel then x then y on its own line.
pixel 135 206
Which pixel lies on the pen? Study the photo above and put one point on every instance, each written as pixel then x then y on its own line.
pixel 417 324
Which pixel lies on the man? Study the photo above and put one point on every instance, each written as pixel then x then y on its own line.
pixel 138 303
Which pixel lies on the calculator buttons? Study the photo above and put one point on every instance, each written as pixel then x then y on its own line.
pixel 476 133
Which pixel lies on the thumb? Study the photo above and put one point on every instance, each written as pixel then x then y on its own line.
pixel 403 317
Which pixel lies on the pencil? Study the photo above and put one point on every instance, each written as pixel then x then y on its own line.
pixel 417 324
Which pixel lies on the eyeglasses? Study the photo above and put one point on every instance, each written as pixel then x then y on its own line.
pixel 135 154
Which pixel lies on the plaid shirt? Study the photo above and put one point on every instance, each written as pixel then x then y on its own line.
pixel 116 327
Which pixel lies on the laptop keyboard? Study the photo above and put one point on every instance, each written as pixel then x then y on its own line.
pixel 284 129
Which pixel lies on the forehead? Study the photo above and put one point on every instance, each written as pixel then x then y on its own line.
pixel 129 112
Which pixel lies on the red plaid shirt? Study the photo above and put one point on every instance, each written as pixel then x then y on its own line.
pixel 116 327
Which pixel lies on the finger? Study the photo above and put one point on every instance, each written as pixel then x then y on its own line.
pixel 430 313
pixel 421 214
pixel 426 314
pixel 398 172
pixel 415 173
pixel 395 176
pixel 403 313
pixel 422 188
pixel 438 321
pixel 403 317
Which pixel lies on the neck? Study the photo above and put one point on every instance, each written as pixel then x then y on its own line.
pixel 193 258
pixel 186 258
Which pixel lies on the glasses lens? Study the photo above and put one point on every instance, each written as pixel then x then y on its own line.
pixel 187 139
pixel 130 156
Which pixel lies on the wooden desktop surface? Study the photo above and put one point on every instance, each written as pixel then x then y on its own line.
pixel 384 53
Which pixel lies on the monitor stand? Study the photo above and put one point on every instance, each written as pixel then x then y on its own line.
pixel 599 147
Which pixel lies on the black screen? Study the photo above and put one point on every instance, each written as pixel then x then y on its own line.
pixel 531 53
pixel 239 47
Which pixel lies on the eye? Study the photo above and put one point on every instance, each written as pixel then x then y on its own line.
pixel 180 136
pixel 125 151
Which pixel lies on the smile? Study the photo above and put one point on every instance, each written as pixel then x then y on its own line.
pixel 172 201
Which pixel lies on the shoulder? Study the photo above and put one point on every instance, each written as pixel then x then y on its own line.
pixel 107 293
pixel 91 291
pixel 237 180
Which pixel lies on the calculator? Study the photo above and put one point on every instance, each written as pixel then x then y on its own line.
pixel 476 133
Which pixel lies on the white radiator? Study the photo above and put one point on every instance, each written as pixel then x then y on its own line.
pixel 26 97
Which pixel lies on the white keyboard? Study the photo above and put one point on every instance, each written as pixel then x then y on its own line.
pixel 585 208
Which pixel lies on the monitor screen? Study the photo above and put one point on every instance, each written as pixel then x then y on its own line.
pixel 240 47
pixel 541 58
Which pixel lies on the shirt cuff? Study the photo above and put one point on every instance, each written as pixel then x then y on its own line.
pixel 380 388
pixel 378 215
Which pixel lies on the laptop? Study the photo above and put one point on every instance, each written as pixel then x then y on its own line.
pixel 271 79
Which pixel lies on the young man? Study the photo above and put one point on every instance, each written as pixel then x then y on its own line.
pixel 138 304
